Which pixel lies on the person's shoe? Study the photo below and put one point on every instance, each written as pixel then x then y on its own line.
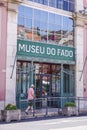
pixel 26 112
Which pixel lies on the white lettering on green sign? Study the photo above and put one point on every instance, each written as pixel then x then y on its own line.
pixel 51 51
pixel 32 49
pixel 66 53
pixel 45 51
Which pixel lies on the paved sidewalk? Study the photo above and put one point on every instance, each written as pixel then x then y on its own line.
pixel 42 114
pixel 70 123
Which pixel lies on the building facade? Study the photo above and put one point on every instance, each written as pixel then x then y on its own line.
pixel 42 42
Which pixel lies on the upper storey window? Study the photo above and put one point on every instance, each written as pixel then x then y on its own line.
pixel 45 27
pixel 67 5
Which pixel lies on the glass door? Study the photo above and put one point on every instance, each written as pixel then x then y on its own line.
pixel 46 85
pixel 43 89
pixel 56 85
pixel 23 82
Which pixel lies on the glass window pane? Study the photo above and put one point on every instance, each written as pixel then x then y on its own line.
pixel 64 40
pixel 36 14
pixel 58 19
pixel 44 36
pixel 51 28
pixel 70 21
pixel 36 31
pixel 70 39
pixel 73 1
pixel 36 37
pixel 59 30
pixel 41 1
pixel 58 38
pixel 28 29
pixel 70 32
pixel 21 32
pixel 52 3
pixel 65 5
pixel 28 24
pixel 44 16
pixel 21 9
pixel 21 20
pixel 71 7
pixel 59 4
pixel 51 18
pixel 36 1
pixel 36 25
pixel 56 31
pixel 51 38
pixel 45 2
pixel 28 12
pixel 43 26
pixel 65 23
pixel 28 34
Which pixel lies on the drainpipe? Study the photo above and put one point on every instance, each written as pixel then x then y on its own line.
pixel 31 72
pixel 61 89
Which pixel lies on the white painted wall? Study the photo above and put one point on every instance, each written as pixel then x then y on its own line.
pixel 79 30
pixel 79 60
pixel 78 5
pixel 11 52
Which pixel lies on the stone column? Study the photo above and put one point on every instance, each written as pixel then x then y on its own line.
pixel 79 28
pixel 79 45
pixel 11 52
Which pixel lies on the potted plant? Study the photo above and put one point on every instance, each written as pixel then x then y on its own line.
pixel 69 109
pixel 11 113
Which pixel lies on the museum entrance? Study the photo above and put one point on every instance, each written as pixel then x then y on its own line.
pixel 47 85
pixel 50 80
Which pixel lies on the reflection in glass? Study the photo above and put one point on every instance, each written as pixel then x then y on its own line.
pixel 51 18
pixel 43 16
pixel 36 31
pixel 28 29
pixel 52 3
pixel 28 12
pixel 45 2
pixel 20 20
pixel 58 19
pixel 67 5
pixel 59 4
pixel 36 14
pixel 45 27
pixel 23 78
pixel 21 32
pixel 47 79
pixel 43 32
pixel 71 6
pixel 43 36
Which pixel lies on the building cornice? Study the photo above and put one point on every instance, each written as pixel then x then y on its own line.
pixel 11 1
pixel 79 18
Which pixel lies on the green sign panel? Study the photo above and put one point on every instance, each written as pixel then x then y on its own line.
pixel 45 52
